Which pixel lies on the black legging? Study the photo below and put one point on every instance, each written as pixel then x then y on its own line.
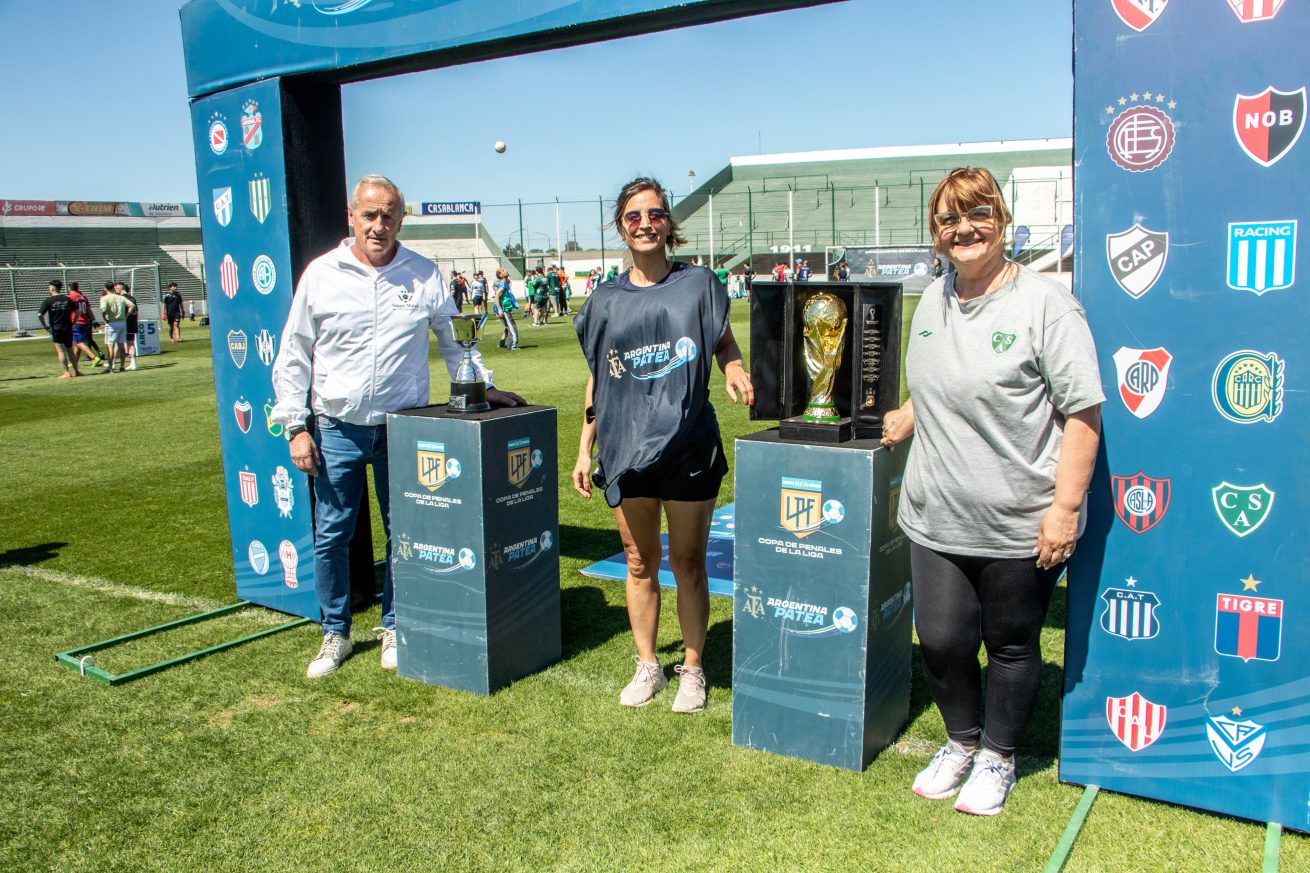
pixel 961 602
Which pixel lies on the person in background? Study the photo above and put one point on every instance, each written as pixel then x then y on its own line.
pixel 613 273
pixel 803 271
pixel 478 292
pixel 780 272
pixel 552 287
pixel 505 305
pixel 937 269
pixel 541 298
pixel 130 324
pixel 1004 408
pixel 659 450
pixel 84 340
pixel 114 309
pixel 747 276
pixel 191 310
pixel 173 312
pixel 723 273
pixel 564 291
pixel 843 272
pixel 459 288
pixel 60 310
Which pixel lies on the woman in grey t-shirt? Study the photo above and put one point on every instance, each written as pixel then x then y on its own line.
pixel 1004 407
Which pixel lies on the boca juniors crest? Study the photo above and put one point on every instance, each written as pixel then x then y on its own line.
pixel 1235 743
pixel 1136 721
pixel 1143 377
pixel 1140 501
pixel 1248 387
pixel 1139 14
pixel 1248 627
pixel 1137 257
pixel 519 460
pixel 1130 613
pixel 236 347
pixel 1268 124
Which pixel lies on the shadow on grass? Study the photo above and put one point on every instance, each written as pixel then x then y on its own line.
pixel 29 555
pixel 587 543
pixel 587 620
pixel 1058 612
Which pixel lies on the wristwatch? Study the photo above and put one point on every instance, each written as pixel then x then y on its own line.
pixel 293 430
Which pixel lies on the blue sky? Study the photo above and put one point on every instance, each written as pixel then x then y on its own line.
pixel 94 104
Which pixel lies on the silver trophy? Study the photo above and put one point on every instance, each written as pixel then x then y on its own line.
pixel 468 393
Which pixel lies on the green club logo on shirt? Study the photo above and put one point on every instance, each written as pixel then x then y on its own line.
pixel 1001 342
pixel 925 333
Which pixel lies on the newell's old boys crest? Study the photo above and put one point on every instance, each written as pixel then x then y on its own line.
pixel 1136 721
pixel 1130 613
pixel 223 205
pixel 1248 627
pixel 244 414
pixel 1137 257
pixel 1248 387
pixel 1235 743
pixel 1138 14
pixel 1140 501
pixel 1242 508
pixel 264 343
pixel 1248 11
pixel 1261 255
pixel 261 197
pixel 519 458
pixel 249 488
pixel 801 506
pixel 1143 376
pixel 236 347
pixel 227 275
pixel 1268 124
pixel 252 125
pixel 283 493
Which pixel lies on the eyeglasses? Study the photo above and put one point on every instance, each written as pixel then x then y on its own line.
pixel 977 215
pixel 656 217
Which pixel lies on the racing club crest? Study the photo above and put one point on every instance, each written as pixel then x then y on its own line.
pixel 1143 376
pixel 1235 743
pixel 1137 257
pixel 1139 14
pixel 1135 721
pixel 1242 508
pixel 1141 136
pixel 1268 124
pixel 283 493
pixel 1261 255
pixel 519 459
pixel 1248 387
pixel 1248 627
pixel 252 125
pixel 244 414
pixel 236 347
pixel 223 205
pixel 1248 11
pixel 1130 613
pixel 1140 500
pixel 249 488
pixel 264 344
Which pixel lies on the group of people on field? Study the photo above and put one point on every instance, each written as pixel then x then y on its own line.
pixel 71 322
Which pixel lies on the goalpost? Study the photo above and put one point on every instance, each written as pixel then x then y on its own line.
pixel 23 288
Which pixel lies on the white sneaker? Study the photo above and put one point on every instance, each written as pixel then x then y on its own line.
pixel 132 366
pixel 388 637
pixel 334 650
pixel 988 786
pixel 646 683
pixel 945 772
pixel 691 689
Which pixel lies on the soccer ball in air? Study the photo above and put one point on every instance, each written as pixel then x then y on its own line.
pixel 845 619
pixel 833 511
pixel 500 147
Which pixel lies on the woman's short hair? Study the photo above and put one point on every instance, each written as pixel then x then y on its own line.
pixel 635 187
pixel 964 188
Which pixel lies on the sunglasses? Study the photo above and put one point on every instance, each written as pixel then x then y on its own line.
pixel 977 215
pixel 656 217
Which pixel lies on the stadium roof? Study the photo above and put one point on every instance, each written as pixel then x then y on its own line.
pixel 914 151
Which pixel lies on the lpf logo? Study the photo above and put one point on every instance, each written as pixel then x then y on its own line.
pixel 434 468
pixel 1248 387
pixel 1268 124
pixel 1141 137
pixel 803 510
pixel 521 460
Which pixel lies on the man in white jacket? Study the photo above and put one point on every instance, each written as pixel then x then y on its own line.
pixel 354 348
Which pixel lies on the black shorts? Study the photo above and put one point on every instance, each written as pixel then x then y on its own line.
pixel 691 472
pixel 62 337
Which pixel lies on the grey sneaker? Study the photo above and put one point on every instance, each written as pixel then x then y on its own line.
pixel 334 650
pixel 988 786
pixel 388 637
pixel 691 689
pixel 945 772
pixel 646 683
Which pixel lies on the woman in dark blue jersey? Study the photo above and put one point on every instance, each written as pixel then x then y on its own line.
pixel 646 334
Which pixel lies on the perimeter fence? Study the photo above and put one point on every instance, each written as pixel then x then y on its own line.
pixel 23 288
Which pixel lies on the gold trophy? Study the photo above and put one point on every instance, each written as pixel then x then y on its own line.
pixel 468 393
pixel 824 325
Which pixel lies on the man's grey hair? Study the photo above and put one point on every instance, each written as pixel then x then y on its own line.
pixel 375 180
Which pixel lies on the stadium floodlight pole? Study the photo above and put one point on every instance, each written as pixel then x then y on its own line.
pixel 600 202
pixel 791 235
pixel 559 246
pixel 523 243
pixel 750 228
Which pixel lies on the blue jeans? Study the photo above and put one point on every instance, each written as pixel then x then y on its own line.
pixel 346 450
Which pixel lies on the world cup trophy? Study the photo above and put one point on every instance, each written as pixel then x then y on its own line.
pixel 823 321
pixel 468 392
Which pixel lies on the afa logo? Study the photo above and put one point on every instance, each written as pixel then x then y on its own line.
pixel 258 557
pixel 1242 508
pixel 1248 387
pixel 752 602
pixel 244 414
pixel 1141 137
pixel 1137 257
pixel 290 558
pixel 1235 743
pixel 236 347
pixel 252 125
pixel 1143 377
pixel 1248 627
pixel 1248 11
pixel 1268 124
pixel 803 510
pixel 284 494
pixel 434 468
pixel 217 134
pixel 227 276
pixel 1135 721
pixel 1138 14
pixel 1130 613
pixel 1140 501
pixel 1261 255
pixel 249 486
pixel 521 460
pixel 223 206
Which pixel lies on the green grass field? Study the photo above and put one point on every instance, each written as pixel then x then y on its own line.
pixel 114 520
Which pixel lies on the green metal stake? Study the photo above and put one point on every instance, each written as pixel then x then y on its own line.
pixel 1273 837
pixel 1065 846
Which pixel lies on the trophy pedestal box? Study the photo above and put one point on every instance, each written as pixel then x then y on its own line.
pixel 475 544
pixel 821 600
